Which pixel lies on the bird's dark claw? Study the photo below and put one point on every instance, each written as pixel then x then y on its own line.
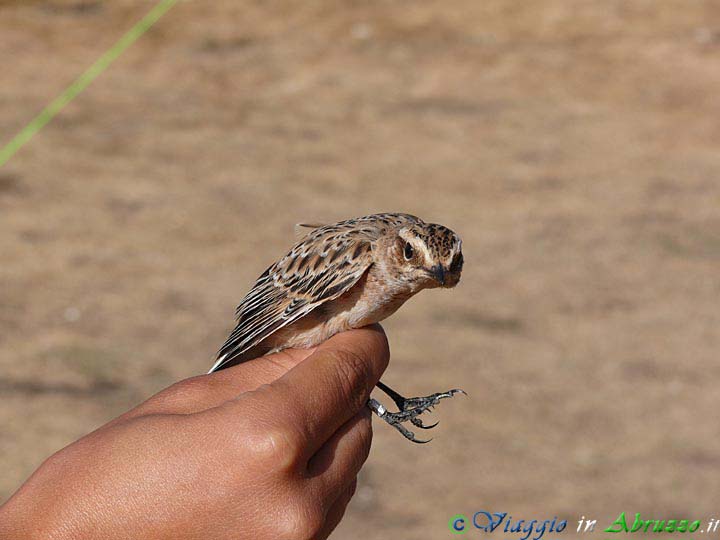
pixel 409 435
pixel 396 419
pixel 410 409
pixel 418 423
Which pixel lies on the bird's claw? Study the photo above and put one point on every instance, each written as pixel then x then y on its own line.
pixel 418 423
pixel 410 409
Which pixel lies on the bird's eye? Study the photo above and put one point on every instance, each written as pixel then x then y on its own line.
pixel 408 252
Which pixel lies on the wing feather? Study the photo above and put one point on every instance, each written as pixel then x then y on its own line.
pixel 327 263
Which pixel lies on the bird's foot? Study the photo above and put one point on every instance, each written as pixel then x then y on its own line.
pixel 410 409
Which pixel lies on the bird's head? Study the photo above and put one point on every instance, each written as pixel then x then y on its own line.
pixel 428 255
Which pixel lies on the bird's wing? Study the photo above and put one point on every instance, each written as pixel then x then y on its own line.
pixel 328 262
pixel 311 225
pixel 301 229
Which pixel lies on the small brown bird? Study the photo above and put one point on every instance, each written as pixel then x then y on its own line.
pixel 347 275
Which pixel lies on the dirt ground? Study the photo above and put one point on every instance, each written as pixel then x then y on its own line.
pixel 573 145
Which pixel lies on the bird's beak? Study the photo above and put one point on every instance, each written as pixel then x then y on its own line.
pixel 439 273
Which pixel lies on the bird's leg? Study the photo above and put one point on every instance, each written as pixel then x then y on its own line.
pixel 402 405
pixel 409 409
pixel 395 419
pixel 420 404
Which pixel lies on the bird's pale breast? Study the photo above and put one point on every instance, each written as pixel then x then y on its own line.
pixel 369 301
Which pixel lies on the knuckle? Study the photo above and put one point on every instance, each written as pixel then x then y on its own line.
pixel 262 437
pixel 275 448
pixel 354 377
pixel 300 521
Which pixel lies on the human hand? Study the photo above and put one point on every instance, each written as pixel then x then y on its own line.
pixel 267 449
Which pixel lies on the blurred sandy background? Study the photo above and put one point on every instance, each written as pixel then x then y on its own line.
pixel 574 145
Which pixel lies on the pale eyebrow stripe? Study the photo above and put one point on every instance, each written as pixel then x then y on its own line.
pixel 84 80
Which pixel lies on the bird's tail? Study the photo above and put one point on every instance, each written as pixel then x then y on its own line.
pixel 219 364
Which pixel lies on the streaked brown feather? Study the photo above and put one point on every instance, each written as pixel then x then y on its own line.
pixel 325 264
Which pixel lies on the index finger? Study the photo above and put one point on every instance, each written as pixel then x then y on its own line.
pixel 330 386
pixel 204 392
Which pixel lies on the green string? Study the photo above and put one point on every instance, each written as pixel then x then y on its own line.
pixel 82 82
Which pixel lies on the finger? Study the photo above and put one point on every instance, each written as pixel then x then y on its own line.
pixel 341 458
pixel 320 394
pixel 337 510
pixel 204 392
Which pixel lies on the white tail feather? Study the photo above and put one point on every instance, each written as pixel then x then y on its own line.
pixel 218 363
